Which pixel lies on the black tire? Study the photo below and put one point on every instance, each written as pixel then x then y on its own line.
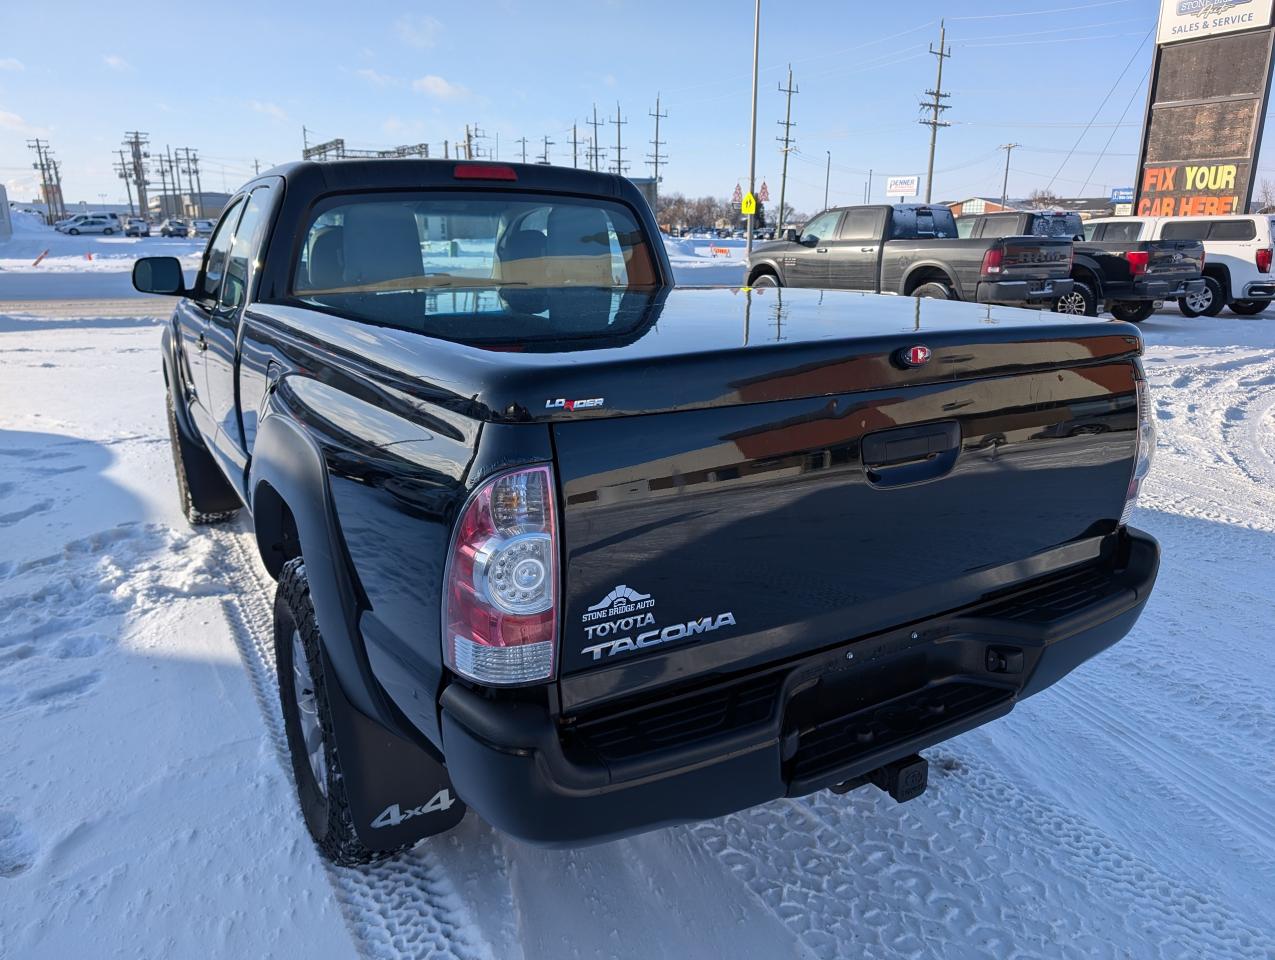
pixel 1248 308
pixel 73 232
pixel 107 232
pixel 1081 302
pixel 765 279
pixel 1208 303
pixel 1133 311
pixel 934 291
pixel 324 802
pixel 206 498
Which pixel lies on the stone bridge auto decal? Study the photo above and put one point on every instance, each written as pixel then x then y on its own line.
pixel 1188 19
pixel 624 622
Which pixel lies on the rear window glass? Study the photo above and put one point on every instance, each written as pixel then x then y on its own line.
pixel 922 223
pixel 474 266
pixel 1233 230
pixel 1057 225
pixel 1122 232
pixel 1185 230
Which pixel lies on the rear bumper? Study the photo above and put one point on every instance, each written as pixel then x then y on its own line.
pixel 1151 289
pixel 1017 292
pixel 794 729
pixel 1259 290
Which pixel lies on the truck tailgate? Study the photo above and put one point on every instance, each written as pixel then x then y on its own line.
pixel 1033 257
pixel 709 540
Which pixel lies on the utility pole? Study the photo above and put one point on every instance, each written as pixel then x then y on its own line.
pixel 163 189
pixel 544 157
pixel 256 167
pixel 469 143
pixel 936 106
pixel 523 142
pixel 867 188
pixel 180 210
pixel 199 185
pixel 123 171
pixel 619 122
pixel 752 137
pixel 595 152
pixel 786 140
pixel 305 141
pixel 136 141
pixel 38 146
pixel 1008 148
pixel 446 151
pixel 657 158
pixel 827 178
pixel 56 168
pixel 575 146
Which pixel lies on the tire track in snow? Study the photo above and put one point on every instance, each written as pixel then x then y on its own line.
pixel 406 906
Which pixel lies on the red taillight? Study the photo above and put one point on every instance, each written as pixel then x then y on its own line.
pixel 1138 261
pixel 992 260
pixel 1264 260
pixel 500 596
pixel 484 171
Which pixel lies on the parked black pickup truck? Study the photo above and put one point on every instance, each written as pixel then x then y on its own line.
pixel 1130 278
pixel 913 250
pixel 593 555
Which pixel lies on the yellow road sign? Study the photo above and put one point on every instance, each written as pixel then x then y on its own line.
pixel 748 206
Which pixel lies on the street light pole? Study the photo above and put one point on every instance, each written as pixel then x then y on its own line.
pixel 752 139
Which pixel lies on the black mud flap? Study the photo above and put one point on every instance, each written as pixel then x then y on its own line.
pixel 398 792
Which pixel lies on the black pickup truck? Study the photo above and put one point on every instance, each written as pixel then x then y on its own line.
pixel 1130 278
pixel 593 555
pixel 913 250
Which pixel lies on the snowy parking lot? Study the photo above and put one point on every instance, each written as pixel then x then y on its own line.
pixel 146 808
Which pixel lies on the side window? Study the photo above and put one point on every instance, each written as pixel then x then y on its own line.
pixel 1233 230
pixel 964 227
pixel 1094 231
pixel 214 268
pixel 1122 232
pixel 1185 230
pixel 821 227
pixel 245 248
pixel 862 225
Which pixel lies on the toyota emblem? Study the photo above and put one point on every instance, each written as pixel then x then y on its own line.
pixel 916 356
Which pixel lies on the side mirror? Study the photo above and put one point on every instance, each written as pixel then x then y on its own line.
pixel 790 234
pixel 162 275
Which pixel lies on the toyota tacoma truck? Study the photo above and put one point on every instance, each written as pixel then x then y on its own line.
pixel 1128 277
pixel 913 250
pixel 591 554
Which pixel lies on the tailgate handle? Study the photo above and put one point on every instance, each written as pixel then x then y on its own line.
pixel 892 458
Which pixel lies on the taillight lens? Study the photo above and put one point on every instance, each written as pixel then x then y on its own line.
pixel 992 260
pixel 1264 260
pixel 500 600
pixel 1146 450
pixel 1138 261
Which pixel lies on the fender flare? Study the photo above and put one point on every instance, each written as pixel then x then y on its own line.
pixel 954 280
pixel 384 761
pixel 1094 269
pixel 772 264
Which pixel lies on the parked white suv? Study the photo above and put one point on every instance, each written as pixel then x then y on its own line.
pixel 1237 257
pixel 106 223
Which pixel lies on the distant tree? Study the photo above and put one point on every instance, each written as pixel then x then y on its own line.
pixel 1043 198
pixel 1266 196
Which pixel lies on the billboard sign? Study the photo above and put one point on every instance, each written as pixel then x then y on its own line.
pixel 1209 86
pixel 1122 194
pixel 902 186
pixel 1192 19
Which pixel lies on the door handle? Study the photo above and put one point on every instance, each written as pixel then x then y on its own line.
pixel 867 249
pixel 892 458
pixel 202 342
pixel 821 249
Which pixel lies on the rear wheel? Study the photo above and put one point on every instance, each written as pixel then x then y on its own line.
pixel 935 291
pixel 1249 308
pixel 307 721
pixel 107 232
pixel 74 232
pixel 1133 311
pixel 765 280
pixel 1208 302
pixel 1080 302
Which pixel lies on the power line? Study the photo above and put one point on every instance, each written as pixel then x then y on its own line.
pixel 1100 106
pixel 1133 96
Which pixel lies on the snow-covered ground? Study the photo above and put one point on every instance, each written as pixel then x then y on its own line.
pixel 146 808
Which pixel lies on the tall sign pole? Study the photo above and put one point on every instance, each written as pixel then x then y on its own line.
pixel 752 137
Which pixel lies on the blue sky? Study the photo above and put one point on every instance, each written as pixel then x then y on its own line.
pixel 237 81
